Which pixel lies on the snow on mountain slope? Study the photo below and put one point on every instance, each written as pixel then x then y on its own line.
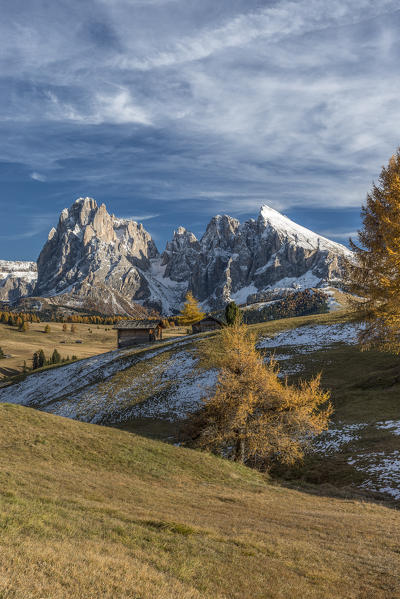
pixel 95 259
pixel 296 233
pixel 167 384
pixel 163 381
pixel 17 279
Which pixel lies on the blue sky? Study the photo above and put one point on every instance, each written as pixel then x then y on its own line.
pixel 171 111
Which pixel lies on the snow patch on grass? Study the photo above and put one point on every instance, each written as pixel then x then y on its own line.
pixel 43 388
pixel 382 470
pixel 391 425
pixel 332 440
pixel 313 337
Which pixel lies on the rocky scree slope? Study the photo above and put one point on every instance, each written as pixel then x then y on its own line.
pixel 94 256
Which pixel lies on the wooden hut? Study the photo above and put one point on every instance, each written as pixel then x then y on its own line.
pixel 135 332
pixel 209 323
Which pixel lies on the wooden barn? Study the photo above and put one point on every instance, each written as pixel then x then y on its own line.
pixel 209 323
pixel 135 332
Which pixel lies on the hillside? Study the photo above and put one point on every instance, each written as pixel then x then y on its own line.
pixel 87 340
pixel 94 339
pixel 151 390
pixel 89 511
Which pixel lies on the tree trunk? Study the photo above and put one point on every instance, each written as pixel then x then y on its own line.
pixel 240 449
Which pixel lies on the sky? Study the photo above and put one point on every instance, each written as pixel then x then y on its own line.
pixel 172 111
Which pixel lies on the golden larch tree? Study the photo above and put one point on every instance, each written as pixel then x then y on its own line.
pixel 252 416
pixel 374 277
pixel 191 311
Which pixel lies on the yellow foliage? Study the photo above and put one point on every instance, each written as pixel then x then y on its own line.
pixel 253 416
pixel 376 275
pixel 191 311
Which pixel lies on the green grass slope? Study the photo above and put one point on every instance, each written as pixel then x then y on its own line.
pixel 92 512
pixel 365 393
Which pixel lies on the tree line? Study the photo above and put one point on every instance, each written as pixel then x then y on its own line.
pixel 18 318
pixel 296 303
pixel 39 359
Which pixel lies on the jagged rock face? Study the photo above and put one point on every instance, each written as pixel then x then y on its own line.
pixel 17 279
pixel 99 257
pixel 91 248
pixel 234 261
pixel 180 254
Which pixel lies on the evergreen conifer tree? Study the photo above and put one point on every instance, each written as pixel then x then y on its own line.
pixel 41 359
pixel 375 275
pixel 55 357
pixel 191 311
pixel 232 313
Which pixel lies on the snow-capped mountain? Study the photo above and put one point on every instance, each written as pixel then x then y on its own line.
pixel 235 261
pixel 16 279
pixel 93 254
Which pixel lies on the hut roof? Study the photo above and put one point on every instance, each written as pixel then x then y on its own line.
pixel 137 324
pixel 214 318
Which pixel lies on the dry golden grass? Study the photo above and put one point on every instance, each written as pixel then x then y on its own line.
pixel 96 339
pixel 22 345
pixel 93 512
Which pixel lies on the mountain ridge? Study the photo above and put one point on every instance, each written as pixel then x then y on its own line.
pixel 17 278
pixel 95 255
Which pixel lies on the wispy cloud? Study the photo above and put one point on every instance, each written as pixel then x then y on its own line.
pixel 335 235
pixel 38 177
pixel 141 218
pixel 164 105
pixel 38 224
pixel 270 24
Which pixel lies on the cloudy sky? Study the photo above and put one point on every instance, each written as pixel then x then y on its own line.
pixel 171 111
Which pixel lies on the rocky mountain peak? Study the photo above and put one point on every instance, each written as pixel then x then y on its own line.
pixel 183 237
pixel 95 255
pixel 220 232
pixel 91 247
pixel 273 221
pixel 179 254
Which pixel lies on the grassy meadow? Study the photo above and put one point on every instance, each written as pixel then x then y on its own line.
pixel 95 339
pixel 139 397
pixel 93 512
